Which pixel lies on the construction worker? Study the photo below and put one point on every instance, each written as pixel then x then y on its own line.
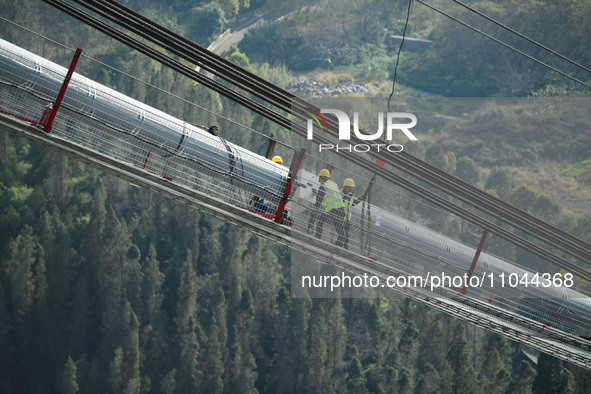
pixel 277 159
pixel 258 203
pixel 285 215
pixel 213 130
pixel 349 201
pixel 330 206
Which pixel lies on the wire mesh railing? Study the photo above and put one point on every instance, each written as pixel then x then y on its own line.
pixel 107 122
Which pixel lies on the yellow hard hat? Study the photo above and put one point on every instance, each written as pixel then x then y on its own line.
pixel 349 182
pixel 325 173
pixel 277 159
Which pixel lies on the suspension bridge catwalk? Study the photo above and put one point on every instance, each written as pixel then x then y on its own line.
pixel 156 151
pixel 241 78
pixel 278 97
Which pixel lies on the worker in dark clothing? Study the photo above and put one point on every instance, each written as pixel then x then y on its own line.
pixel 329 206
pixel 213 130
pixel 349 201
pixel 258 203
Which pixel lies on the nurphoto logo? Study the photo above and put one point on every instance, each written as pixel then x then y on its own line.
pixel 393 123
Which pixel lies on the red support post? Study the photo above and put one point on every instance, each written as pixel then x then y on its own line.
pixel 146 161
pixel 293 172
pixel 474 261
pixel 49 112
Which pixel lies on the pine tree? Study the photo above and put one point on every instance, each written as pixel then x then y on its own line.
pixel 464 376
pixel 5 345
pixel 57 185
pixel 242 371
pixel 407 343
pixel 69 385
pixel 428 381
pixel 316 377
pixel 55 240
pixel 86 321
pixel 336 340
pixel 18 266
pixel 493 374
pixel 187 296
pixel 189 376
pixel 355 378
pixel 552 377
pixel 111 286
pixel 404 381
pixel 168 383
pixel 211 360
pixel 153 279
pixel 131 350
pixel 523 379
pixel 115 377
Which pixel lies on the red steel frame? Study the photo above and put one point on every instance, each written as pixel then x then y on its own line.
pixel 296 162
pixel 474 261
pixel 49 113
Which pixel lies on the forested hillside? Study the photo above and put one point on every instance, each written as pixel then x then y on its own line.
pixel 108 288
pixel 353 37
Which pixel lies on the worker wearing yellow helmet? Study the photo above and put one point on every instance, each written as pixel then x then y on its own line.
pixel 277 159
pixel 349 201
pixel 329 206
pixel 258 203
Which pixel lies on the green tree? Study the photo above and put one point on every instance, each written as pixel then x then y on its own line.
pixel 428 380
pixel 500 180
pixel 407 345
pixel 239 58
pixel 187 296
pixel 317 351
pixel 207 23
pixel 493 374
pixel 546 208
pixel 552 377
pixel 230 7
pixel 168 383
pixel 524 197
pixel 355 378
pixel 58 187
pixel 583 228
pixel 242 370
pixel 69 385
pixel 244 5
pixel 436 157
pixel 189 376
pixel 404 381
pixel 19 266
pixel 115 377
pixel 458 356
pixel 131 351
pixel 467 171
pixel 524 378
pixel 153 279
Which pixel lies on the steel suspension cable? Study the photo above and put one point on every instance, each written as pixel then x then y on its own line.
pixel 285 100
pixel 284 122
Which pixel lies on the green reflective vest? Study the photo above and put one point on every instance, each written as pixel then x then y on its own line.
pixel 347 203
pixel 332 196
